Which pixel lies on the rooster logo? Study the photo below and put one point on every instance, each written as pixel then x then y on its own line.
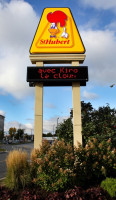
pixel 54 18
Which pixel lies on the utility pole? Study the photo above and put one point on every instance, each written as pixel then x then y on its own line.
pixel 57 121
pixel 53 128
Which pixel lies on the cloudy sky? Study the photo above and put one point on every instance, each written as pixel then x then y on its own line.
pixel 96 21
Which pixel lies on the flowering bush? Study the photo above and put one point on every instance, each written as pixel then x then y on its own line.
pixel 96 193
pixel 53 166
pixel 59 167
pixel 6 194
pixel 95 161
pixel 76 193
pixel 32 194
pixel 35 155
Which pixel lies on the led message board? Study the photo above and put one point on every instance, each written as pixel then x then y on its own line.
pixel 57 33
pixel 57 76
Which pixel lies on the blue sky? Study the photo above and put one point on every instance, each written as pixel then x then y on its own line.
pixel 96 22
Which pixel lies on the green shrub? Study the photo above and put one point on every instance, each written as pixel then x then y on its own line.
pixel 18 173
pixel 109 184
pixel 35 154
pixel 95 161
pixel 53 166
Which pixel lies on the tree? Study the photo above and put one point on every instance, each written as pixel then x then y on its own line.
pixel 86 115
pixel 87 122
pixel 65 130
pixel 1 135
pixel 12 131
pixel 19 134
pixel 100 124
pixel 47 135
pixel 104 120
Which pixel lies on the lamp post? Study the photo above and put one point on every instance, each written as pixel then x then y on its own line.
pixel 53 128
pixel 112 85
pixel 57 121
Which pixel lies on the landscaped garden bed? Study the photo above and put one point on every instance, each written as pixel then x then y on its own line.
pixel 60 171
pixel 77 193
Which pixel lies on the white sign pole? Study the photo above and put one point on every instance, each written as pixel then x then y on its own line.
pixel 77 127
pixel 38 128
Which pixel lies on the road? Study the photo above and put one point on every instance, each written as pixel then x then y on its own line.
pixel 9 147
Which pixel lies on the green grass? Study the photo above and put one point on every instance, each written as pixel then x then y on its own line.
pixel 2 150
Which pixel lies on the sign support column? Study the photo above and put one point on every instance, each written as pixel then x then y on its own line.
pixel 50 45
pixel 38 128
pixel 77 128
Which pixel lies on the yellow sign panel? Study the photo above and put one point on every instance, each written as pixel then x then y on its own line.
pixel 57 33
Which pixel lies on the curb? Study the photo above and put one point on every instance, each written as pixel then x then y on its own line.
pixel 1 179
pixel 3 152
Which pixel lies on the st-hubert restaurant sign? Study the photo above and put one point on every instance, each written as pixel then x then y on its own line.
pixel 57 33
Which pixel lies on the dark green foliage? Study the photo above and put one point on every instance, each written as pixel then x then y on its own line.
pixel 19 134
pixel 48 135
pixel 36 153
pixel 53 166
pixel 57 167
pixel 87 122
pixel 109 184
pixel 100 124
pixel 65 131
pixel 94 162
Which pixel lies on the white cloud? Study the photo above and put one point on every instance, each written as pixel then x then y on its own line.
pixel 12 124
pixel 89 95
pixel 27 127
pixel 48 125
pixel 101 4
pixel 2 112
pixel 100 55
pixel 111 26
pixel 50 105
pixel 18 22
pixel 51 124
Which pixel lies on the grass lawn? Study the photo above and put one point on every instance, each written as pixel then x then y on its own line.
pixel 1 149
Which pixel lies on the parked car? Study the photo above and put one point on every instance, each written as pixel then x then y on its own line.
pixel 9 141
pixel 15 141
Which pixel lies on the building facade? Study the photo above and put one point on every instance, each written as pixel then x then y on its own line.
pixel 2 123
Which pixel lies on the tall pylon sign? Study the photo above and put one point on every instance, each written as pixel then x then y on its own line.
pixel 57 40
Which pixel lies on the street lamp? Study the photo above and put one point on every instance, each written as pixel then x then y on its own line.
pixel 57 121
pixel 112 85
pixel 53 128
